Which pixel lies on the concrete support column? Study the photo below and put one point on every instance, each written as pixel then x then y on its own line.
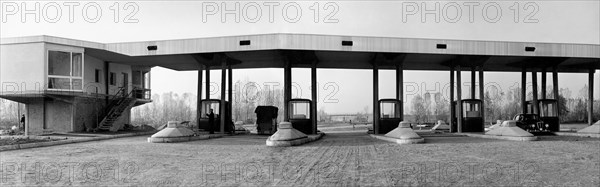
pixel 375 99
pixel 287 90
pixel 199 96
pixel 26 128
pixel 222 105
pixel 459 99
pixel 534 105
pixel 313 91
pixel 555 88
pixel 544 83
pixel 523 90
pixel 452 112
pixel 400 89
pixel 473 82
pixel 207 96
pixel 482 95
pixel 591 97
pixel 106 83
pixel 230 88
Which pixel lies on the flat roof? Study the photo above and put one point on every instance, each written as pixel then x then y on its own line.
pixel 336 51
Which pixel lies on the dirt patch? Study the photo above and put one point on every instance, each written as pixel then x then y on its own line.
pixel 14 141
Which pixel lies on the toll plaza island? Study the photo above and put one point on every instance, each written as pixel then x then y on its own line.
pixel 71 85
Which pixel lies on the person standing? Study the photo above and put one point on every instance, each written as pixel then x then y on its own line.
pixel 22 122
pixel 211 121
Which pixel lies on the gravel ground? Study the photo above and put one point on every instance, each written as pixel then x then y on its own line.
pixel 339 159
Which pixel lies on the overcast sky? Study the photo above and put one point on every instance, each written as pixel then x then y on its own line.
pixel 522 21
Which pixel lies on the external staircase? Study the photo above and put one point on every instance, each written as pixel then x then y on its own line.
pixel 122 101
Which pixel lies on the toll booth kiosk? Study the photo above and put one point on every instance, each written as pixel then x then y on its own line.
pixel 215 104
pixel 299 113
pixel 548 113
pixel 471 118
pixel 266 119
pixel 391 115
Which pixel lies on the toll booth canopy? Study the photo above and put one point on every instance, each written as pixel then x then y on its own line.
pixel 390 115
pixel 299 113
pixel 471 118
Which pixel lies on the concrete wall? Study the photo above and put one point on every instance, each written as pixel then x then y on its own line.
pixel 22 68
pixel 59 116
pixel 124 119
pixel 87 113
pixel 89 70
pixel 35 117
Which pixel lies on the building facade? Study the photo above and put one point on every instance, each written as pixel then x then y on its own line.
pixel 67 89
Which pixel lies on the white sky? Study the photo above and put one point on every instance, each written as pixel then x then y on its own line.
pixel 553 21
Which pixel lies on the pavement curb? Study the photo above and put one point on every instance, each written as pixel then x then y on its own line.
pixel 70 141
pixel 513 138
pixel 182 139
pixel 310 138
pixel 399 141
pixel 587 135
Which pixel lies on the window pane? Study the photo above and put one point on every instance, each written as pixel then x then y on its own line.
pixel 388 110
pixel 59 83
pixel 59 63
pixel 210 105
pixel 77 64
pixel 300 110
pixel 77 84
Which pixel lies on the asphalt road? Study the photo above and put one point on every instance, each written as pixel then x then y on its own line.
pixel 339 159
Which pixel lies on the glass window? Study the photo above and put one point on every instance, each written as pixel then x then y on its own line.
pixel 389 110
pixel 77 65
pixel 207 105
pixel 300 110
pixel 471 109
pixel 59 83
pixel 548 109
pixel 59 63
pixel 65 70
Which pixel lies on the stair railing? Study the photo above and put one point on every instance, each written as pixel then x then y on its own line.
pixel 117 99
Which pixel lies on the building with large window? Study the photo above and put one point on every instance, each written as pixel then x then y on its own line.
pixel 68 85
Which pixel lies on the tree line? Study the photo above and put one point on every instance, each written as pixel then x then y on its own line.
pixel 500 105
pixel 426 108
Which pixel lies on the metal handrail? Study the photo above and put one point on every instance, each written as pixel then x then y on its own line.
pixel 145 93
pixel 111 107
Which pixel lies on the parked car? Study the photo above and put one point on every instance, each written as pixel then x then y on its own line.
pixel 531 123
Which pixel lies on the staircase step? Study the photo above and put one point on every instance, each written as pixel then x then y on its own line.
pixel 116 111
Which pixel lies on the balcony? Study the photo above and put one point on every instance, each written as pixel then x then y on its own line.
pixel 142 93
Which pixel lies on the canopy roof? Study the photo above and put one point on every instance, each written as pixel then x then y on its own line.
pixel 340 52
